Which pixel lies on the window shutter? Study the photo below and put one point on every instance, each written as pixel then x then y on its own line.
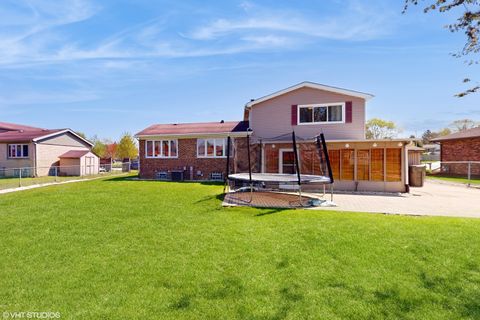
pixel 294 115
pixel 348 112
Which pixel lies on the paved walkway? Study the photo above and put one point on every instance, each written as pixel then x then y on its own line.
pixel 434 199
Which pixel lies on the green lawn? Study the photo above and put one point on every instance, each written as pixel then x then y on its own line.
pixel 463 180
pixel 117 249
pixel 15 182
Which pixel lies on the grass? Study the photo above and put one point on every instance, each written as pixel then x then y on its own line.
pixel 15 182
pixel 118 249
pixel 448 178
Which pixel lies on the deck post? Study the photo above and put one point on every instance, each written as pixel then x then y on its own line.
pixel 20 177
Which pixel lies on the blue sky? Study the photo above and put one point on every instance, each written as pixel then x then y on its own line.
pixel 108 67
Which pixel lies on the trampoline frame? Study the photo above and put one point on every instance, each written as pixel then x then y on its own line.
pixel 282 178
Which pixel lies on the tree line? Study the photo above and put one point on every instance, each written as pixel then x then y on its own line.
pixel 384 129
pixel 125 148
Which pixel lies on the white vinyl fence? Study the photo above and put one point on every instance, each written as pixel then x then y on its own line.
pixel 28 176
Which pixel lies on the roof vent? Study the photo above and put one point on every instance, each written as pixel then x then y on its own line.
pixel 175 124
pixel 221 121
pixel 251 100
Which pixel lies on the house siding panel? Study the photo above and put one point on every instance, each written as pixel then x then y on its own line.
pixel 273 117
pixel 49 150
pixel 6 164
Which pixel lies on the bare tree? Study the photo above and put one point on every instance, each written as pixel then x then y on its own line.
pixel 463 124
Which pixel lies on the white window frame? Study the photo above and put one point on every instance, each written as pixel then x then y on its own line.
pixel 214 148
pixel 21 148
pixel 313 106
pixel 161 149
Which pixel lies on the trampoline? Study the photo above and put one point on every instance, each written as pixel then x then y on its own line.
pixel 280 178
pixel 246 184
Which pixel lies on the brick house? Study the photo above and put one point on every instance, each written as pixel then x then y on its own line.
pixel 197 151
pixel 188 151
pixel 460 146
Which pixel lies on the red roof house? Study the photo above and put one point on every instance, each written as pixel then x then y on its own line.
pixel 36 150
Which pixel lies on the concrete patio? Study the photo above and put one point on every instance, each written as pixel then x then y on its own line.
pixel 434 199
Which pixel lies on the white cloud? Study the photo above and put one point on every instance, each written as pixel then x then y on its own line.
pixel 353 22
pixel 44 97
pixel 29 30
pixel 256 28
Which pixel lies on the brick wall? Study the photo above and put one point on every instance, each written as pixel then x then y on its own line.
pixel 461 150
pixel 187 157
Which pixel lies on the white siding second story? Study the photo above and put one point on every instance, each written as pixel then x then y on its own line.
pixel 309 109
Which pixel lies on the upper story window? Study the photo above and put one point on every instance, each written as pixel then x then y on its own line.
pixel 161 149
pixel 212 148
pixel 321 113
pixel 17 151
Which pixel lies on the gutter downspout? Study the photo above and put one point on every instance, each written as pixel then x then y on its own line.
pixel 35 159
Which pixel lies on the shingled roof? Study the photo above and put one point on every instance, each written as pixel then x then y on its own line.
pixel 470 133
pixel 195 128
pixel 11 132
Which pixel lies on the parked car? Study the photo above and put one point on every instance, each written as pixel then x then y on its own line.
pixel 134 164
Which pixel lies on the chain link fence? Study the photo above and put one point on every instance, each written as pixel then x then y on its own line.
pixel 455 171
pixel 27 176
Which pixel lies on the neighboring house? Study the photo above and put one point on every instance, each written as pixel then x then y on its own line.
pixel 460 146
pixel 432 152
pixel 39 151
pixel 197 151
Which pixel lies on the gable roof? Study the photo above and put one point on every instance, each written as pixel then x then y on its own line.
pixel 313 85
pixel 26 136
pixel 11 132
pixel 174 129
pixel 470 133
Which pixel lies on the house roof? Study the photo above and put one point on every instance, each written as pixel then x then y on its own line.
pixel 26 136
pixel 308 84
pixel 470 133
pixel 195 128
pixel 74 154
pixel 13 126
pixel 11 132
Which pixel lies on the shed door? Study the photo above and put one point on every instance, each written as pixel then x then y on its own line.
pixel 89 165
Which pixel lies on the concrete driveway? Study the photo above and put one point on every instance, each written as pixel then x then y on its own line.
pixel 434 199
